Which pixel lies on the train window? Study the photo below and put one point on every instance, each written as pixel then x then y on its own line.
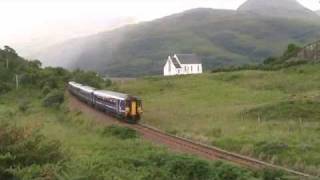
pixel 110 101
pixel 122 105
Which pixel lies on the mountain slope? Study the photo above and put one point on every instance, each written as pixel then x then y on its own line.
pixel 220 37
pixel 277 8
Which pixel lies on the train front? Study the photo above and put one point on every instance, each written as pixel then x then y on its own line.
pixel 133 109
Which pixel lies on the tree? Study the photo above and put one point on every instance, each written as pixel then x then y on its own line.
pixel 35 63
pixel 291 51
pixel 10 50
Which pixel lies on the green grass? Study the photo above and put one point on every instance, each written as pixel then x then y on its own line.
pixel 94 151
pixel 272 115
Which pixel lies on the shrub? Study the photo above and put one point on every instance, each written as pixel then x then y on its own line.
pixel 185 167
pixel 45 172
pixel 270 174
pixel 189 168
pixel 307 110
pixel 90 78
pixel 215 132
pixel 53 99
pixel 24 148
pixel 271 148
pixel 4 88
pixel 45 90
pixel 225 171
pixel 270 60
pixel 24 106
pixel 120 132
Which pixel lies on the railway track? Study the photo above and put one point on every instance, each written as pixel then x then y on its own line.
pixel 185 145
pixel 210 152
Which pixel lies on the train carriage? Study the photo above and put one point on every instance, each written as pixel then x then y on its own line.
pixel 86 94
pixel 74 88
pixel 121 105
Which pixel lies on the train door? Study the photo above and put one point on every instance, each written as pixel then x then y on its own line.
pixel 133 108
pixel 91 99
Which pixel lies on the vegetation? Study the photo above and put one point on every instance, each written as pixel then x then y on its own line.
pixel 55 143
pixel 30 74
pixel 53 99
pixel 27 154
pixel 288 59
pixel 271 115
pixel 40 138
pixel 120 132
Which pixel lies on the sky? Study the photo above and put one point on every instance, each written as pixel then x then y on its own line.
pixel 26 24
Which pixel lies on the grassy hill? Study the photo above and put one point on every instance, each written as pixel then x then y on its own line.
pixel 221 37
pixel 271 115
pixel 45 143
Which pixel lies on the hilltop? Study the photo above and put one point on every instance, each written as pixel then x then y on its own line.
pixel 276 8
pixel 221 37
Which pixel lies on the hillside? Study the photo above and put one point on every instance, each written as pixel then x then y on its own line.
pixel 270 115
pixel 276 8
pixel 220 37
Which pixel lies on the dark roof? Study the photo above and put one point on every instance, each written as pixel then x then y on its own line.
pixel 188 59
pixel 175 62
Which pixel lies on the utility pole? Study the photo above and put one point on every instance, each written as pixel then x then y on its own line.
pixel 17 81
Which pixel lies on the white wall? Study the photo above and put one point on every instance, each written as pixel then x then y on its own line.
pixel 191 68
pixel 169 69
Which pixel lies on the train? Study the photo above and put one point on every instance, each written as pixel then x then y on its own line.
pixel 122 106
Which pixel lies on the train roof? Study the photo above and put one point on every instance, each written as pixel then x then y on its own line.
pixel 112 94
pixel 87 89
pixel 75 84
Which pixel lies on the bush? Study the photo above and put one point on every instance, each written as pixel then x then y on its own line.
pixel 24 105
pixel 120 132
pixel 270 60
pixel 184 168
pixel 4 88
pixel 45 90
pixel 306 110
pixel 45 172
pixel 269 174
pixel 271 148
pixel 24 148
pixel 225 171
pixel 188 168
pixel 53 99
pixel 90 78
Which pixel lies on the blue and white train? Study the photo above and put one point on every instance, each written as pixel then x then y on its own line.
pixel 123 106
